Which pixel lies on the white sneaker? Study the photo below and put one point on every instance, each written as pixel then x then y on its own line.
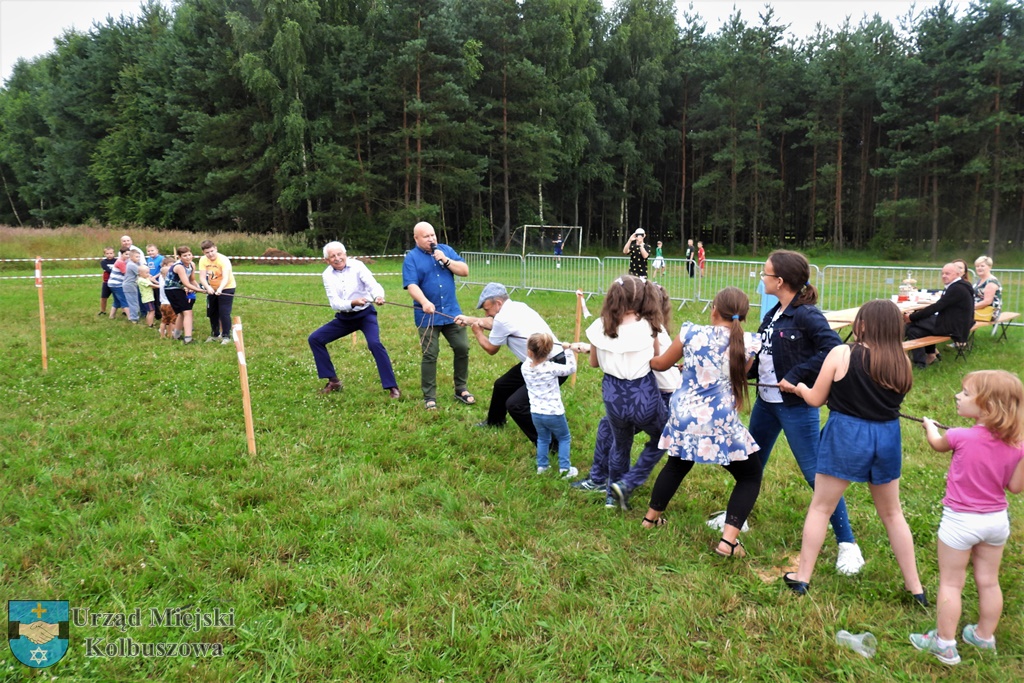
pixel 717 522
pixel 225 340
pixel 211 339
pixel 542 470
pixel 850 561
pixel 568 473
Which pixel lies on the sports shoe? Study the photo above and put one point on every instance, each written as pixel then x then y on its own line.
pixel 568 473
pixel 225 340
pixel 542 470
pixel 588 484
pixel 610 502
pixel 717 521
pixel 621 493
pixel 211 339
pixel 849 561
pixel 929 642
pixel 970 636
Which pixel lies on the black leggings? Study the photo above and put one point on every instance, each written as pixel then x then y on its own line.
pixel 747 474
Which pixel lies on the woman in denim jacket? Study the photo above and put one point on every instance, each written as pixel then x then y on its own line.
pixel 795 338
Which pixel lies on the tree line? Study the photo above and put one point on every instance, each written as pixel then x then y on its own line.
pixel 356 118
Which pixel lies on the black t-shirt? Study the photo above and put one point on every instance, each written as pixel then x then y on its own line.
pixel 637 261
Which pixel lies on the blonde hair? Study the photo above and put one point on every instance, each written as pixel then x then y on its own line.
pixel 999 396
pixel 987 260
pixel 539 345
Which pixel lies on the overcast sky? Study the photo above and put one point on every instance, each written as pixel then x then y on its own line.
pixel 28 27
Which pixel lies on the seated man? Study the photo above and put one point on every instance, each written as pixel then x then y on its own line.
pixel 509 323
pixel 951 316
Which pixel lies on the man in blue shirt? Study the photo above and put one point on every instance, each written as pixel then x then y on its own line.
pixel 428 275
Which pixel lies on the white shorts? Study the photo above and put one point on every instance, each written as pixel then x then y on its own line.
pixel 657 263
pixel 964 530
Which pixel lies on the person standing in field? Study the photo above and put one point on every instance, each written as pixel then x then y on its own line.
pixel 690 253
pixel 700 257
pixel 795 339
pixel 181 288
pixel 864 384
pixel 638 254
pixel 428 274
pixel 218 281
pixel 154 260
pixel 988 460
pixel 658 264
pixel 106 263
pixel 351 290
pixel 131 284
pixel 557 242
pixel 116 283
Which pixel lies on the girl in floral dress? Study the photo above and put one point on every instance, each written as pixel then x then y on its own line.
pixel 703 425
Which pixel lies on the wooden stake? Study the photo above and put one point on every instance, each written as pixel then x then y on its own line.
pixel 576 332
pixel 42 309
pixel 243 373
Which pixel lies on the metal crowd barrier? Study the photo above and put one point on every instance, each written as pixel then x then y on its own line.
pixel 564 273
pixel 486 267
pixel 849 286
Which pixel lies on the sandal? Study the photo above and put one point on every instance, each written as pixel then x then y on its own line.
pixel 735 549
pixel 465 397
pixel 660 521
pixel 795 585
pixel 430 404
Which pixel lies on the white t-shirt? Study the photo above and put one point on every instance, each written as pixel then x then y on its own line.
pixel 542 384
pixel 513 326
pixel 163 296
pixel 766 365
pixel 668 380
pixel 629 355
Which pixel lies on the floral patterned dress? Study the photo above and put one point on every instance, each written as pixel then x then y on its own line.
pixel 703 425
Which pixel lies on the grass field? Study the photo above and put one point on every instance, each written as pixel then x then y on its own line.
pixel 371 541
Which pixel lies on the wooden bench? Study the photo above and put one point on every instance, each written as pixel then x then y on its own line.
pixel 1001 325
pixel 964 348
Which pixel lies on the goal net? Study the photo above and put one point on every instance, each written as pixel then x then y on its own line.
pixel 545 239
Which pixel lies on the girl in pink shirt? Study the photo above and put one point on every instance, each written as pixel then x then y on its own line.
pixel 988 460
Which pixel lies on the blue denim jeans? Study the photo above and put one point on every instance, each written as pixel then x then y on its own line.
pixel 802 425
pixel 552 426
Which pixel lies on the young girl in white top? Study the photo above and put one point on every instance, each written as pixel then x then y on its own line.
pixel 622 345
pixel 988 460
pixel 541 377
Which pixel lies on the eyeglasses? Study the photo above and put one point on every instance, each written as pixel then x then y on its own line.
pixel 764 275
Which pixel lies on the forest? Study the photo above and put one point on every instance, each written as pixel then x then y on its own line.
pixel 356 118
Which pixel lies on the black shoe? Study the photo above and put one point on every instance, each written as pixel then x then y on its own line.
pixel 920 365
pixel 798 587
pixel 920 598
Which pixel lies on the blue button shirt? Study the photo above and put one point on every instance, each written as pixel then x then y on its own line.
pixel 437 283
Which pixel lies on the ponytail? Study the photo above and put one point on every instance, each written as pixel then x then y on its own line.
pixel 732 305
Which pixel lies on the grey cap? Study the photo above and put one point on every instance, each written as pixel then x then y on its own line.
pixel 491 290
pixel 639 231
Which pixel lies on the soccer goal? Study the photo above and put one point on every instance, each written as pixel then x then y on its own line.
pixel 544 239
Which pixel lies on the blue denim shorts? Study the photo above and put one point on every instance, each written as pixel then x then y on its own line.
pixel 859 450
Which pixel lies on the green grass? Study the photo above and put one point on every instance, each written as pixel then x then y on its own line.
pixel 369 540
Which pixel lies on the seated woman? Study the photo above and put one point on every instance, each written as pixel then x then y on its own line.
pixel 988 293
pixel 961 267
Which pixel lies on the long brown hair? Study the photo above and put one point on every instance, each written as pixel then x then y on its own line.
pixel 999 396
pixel 795 271
pixel 879 326
pixel 732 305
pixel 630 294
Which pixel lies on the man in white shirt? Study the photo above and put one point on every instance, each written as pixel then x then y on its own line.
pixel 509 323
pixel 351 290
